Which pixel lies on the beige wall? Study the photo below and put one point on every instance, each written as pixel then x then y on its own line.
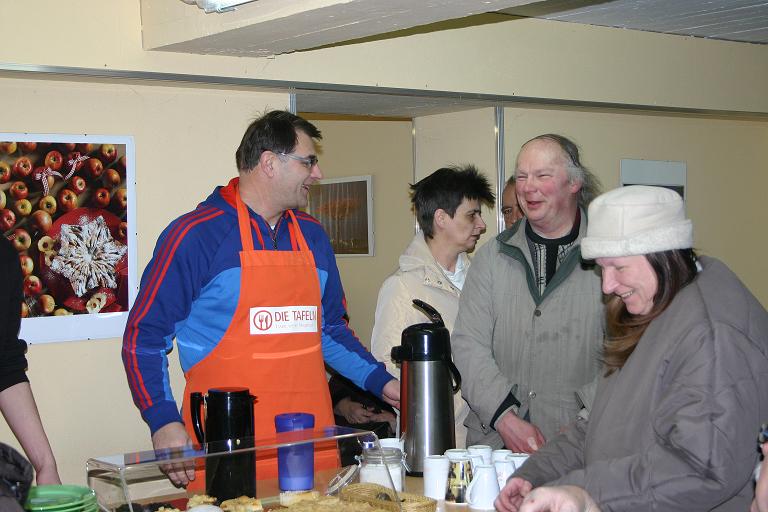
pixel 465 137
pixel 382 149
pixel 521 57
pixel 727 171
pixel 185 142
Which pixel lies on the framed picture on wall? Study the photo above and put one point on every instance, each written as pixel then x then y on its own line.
pixel 68 208
pixel 344 206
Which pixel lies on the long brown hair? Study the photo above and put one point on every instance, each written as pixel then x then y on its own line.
pixel 674 270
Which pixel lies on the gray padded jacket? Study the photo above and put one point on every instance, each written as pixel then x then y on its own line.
pixel 509 338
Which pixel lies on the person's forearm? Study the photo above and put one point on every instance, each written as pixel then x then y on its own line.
pixel 20 411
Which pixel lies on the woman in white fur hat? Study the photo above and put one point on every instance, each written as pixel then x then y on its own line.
pixel 686 364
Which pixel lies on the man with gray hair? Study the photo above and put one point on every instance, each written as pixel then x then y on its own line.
pixel 529 327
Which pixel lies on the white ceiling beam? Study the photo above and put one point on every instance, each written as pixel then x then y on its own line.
pixel 271 27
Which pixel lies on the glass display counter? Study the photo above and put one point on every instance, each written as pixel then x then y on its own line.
pixel 276 471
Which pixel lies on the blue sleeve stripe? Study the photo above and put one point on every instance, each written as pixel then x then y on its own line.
pixel 162 260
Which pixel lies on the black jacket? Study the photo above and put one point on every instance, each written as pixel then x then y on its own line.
pixel 13 363
pixel 15 479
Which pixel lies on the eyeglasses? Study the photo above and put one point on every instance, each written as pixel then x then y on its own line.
pixel 509 210
pixel 308 162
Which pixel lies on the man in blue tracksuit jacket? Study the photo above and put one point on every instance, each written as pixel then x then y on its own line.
pixel 192 286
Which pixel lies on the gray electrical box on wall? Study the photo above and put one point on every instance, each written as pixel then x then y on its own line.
pixel 660 173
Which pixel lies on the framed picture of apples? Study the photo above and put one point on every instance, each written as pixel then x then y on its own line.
pixel 67 205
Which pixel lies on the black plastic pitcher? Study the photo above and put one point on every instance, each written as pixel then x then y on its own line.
pixel 228 421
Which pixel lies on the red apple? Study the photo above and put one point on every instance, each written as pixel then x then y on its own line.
pixel 101 198
pixel 67 200
pixel 21 239
pixel 27 264
pixel 72 156
pixel 86 148
pixel 7 219
pixel 2 199
pixel 112 177
pixel 122 163
pixel 122 231
pixel 22 167
pixel 66 147
pixel 32 285
pixel 22 207
pixel 121 198
pixel 45 244
pixel 8 147
pixel 24 310
pixel 54 160
pixel 28 147
pixel 47 204
pixel 42 220
pixel 19 190
pixel 5 172
pixel 77 184
pixel 108 153
pixel 46 303
pixel 93 167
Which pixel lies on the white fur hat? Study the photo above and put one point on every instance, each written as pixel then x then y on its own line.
pixel 634 220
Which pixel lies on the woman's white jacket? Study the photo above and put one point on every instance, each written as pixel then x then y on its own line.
pixel 418 277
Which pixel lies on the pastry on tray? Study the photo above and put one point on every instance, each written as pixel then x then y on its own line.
pixel 242 504
pixel 330 504
pixel 290 498
pixel 200 499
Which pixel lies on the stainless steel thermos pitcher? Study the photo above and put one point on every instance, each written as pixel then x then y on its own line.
pixel 428 381
pixel 229 426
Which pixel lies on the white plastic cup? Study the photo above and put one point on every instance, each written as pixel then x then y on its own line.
pixel 519 459
pixel 504 469
pixel 500 454
pixel 435 476
pixel 457 453
pixel 393 442
pixel 483 450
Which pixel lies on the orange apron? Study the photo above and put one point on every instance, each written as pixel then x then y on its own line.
pixel 273 344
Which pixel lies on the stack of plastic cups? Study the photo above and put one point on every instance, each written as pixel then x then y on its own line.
pixel 295 464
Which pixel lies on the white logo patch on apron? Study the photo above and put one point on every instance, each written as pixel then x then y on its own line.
pixel 285 319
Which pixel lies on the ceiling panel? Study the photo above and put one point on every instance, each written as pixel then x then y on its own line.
pixel 733 20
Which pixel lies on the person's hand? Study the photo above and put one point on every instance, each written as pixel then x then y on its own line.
pixel 47 475
pixel 511 496
pixel 352 411
pixel 519 435
pixel 391 393
pixel 171 437
pixel 565 498
pixel 386 416
pixel 760 503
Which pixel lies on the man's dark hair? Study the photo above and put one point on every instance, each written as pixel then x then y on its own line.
pixel 275 131
pixel 445 189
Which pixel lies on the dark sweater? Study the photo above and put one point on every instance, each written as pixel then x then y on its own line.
pixel 13 363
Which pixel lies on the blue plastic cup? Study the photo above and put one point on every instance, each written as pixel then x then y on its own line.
pixel 295 464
